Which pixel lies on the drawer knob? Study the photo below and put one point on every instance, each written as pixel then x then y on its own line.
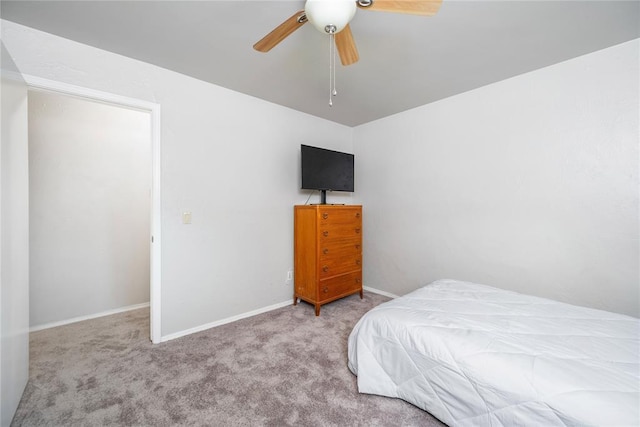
pixel 357 280
pixel 357 262
pixel 357 246
pixel 325 268
pixel 357 230
pixel 325 251
pixel 325 215
pixel 357 214
pixel 325 233
pixel 325 290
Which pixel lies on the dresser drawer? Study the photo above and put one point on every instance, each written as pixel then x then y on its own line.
pixel 340 216
pixel 338 232
pixel 343 247
pixel 335 266
pixel 337 287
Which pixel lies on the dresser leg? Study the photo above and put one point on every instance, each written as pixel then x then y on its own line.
pixel 361 294
pixel 317 310
pixel 295 300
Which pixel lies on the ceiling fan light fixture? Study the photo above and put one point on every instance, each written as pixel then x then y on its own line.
pixel 331 15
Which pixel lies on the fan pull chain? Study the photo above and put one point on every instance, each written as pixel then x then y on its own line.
pixel 331 30
pixel 334 93
pixel 331 69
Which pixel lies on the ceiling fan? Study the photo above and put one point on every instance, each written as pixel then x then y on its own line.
pixel 333 16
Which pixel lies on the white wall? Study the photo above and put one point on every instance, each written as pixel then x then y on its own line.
pixel 90 180
pixel 529 184
pixel 230 159
pixel 14 239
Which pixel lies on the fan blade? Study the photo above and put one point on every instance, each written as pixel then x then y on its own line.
pixel 346 46
pixel 415 7
pixel 281 32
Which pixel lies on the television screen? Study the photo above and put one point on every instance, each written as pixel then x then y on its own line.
pixel 324 169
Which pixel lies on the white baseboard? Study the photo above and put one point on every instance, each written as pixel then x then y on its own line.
pixel 249 314
pixel 224 321
pixel 192 330
pixel 88 317
pixel 378 291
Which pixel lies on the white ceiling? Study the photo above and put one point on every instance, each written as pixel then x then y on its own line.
pixel 405 60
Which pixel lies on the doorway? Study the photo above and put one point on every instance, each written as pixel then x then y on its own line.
pixel 95 241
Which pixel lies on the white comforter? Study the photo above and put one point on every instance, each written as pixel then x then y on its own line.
pixel 473 355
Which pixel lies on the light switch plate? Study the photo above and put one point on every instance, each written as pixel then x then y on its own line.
pixel 186 217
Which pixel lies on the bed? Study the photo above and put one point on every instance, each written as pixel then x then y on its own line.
pixel 474 355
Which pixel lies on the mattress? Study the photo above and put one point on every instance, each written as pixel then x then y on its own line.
pixel 474 355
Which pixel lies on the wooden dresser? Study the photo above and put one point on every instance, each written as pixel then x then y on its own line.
pixel 327 253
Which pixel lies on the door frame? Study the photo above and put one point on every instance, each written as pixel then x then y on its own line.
pixel 155 287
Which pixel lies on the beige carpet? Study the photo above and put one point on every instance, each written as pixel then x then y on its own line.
pixel 284 367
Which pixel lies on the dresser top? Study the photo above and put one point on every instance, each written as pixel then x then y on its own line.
pixel 328 206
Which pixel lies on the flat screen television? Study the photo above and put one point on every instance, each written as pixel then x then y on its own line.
pixel 326 170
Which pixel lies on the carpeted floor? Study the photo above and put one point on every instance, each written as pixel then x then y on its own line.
pixel 284 367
